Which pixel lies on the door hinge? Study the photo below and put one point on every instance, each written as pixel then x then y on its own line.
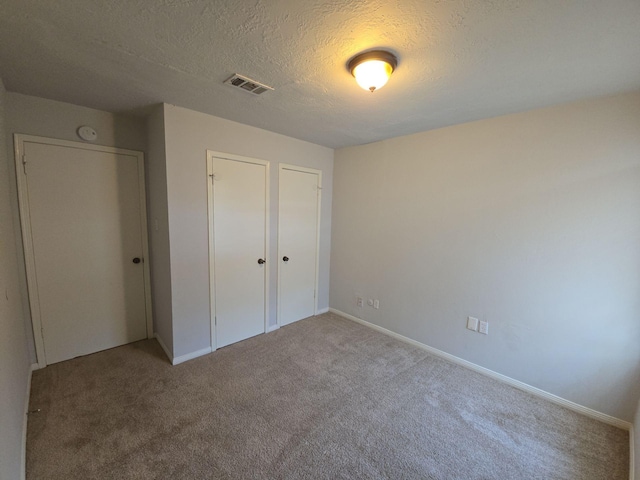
pixel 24 164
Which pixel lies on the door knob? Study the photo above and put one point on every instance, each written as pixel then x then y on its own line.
pixel 261 261
pixel 136 260
pixel 285 259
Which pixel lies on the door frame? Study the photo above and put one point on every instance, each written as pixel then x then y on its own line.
pixel 211 154
pixel 297 168
pixel 27 242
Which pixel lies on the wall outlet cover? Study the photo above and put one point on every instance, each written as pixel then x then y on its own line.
pixel 472 323
pixel 484 328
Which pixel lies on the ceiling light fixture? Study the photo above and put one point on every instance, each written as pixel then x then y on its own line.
pixel 373 69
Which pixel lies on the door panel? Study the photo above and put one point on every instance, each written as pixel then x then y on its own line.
pixel 84 209
pixel 298 232
pixel 239 223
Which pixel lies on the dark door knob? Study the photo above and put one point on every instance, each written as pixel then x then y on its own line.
pixel 285 259
pixel 136 260
pixel 261 261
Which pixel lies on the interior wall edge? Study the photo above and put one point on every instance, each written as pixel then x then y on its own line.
pixel 158 228
pixel 164 347
pixel 190 356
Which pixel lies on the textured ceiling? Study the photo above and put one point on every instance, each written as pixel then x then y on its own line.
pixel 460 60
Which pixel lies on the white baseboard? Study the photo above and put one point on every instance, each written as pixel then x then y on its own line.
pixel 603 417
pixel 167 352
pixel 272 328
pixel 25 419
pixel 322 310
pixel 191 356
pixel 181 358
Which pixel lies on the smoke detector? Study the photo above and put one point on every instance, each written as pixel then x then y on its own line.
pixel 247 84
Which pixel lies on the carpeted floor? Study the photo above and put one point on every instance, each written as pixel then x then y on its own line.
pixel 324 398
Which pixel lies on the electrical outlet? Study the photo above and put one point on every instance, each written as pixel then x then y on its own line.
pixel 484 327
pixel 370 302
pixel 359 302
pixel 472 323
pixel 376 304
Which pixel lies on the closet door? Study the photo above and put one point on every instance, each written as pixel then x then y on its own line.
pixel 298 227
pixel 84 230
pixel 238 224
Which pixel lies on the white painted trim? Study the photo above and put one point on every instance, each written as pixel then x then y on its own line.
pixel 27 240
pixel 314 171
pixel 603 417
pixel 164 347
pixel 267 242
pixel 146 258
pixel 211 245
pixel 211 154
pixel 632 454
pixel 27 244
pixel 273 328
pixel 182 358
pixel 191 356
pixel 322 310
pixel 25 420
pixel 298 168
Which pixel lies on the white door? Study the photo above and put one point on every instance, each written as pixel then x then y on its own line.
pixel 82 217
pixel 238 226
pixel 298 224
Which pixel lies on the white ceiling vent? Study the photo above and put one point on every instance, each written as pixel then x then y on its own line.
pixel 247 84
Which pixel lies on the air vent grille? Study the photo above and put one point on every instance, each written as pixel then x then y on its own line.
pixel 247 84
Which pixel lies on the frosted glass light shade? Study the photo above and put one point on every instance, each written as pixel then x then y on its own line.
pixel 372 69
pixel 373 74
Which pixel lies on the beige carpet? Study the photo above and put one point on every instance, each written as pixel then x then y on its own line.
pixel 324 398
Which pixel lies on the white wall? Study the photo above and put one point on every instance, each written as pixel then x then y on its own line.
pixel 188 135
pixel 156 171
pixel 48 118
pixel 530 221
pixel 14 355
